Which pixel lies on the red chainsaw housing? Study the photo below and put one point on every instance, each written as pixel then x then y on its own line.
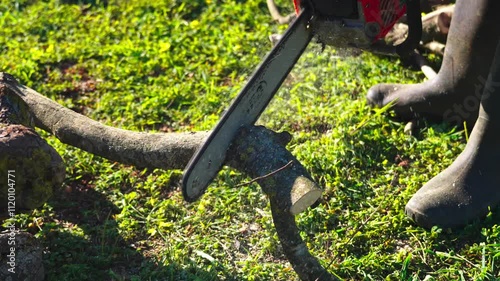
pixel 378 16
pixel 385 12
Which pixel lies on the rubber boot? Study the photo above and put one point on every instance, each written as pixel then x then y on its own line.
pixel 453 95
pixel 469 187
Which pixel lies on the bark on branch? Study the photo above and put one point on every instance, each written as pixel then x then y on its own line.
pixel 253 158
pixel 145 150
pixel 305 265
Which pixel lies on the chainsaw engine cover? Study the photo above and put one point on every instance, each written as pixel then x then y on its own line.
pixel 352 23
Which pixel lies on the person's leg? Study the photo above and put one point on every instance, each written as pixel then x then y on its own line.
pixel 454 94
pixel 471 185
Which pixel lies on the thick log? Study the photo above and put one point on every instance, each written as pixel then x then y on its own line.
pixel 435 47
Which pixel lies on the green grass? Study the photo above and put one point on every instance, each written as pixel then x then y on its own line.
pixel 175 65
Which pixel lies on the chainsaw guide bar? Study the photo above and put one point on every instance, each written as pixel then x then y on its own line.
pixel 247 107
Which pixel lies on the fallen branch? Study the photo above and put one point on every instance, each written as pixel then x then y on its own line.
pixel 435 26
pixel 294 186
pixel 424 66
pixel 307 266
pixel 435 47
pixel 281 190
pixel 275 14
pixel 144 150
pixel 171 150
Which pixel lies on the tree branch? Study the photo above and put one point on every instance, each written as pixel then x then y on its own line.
pixel 275 14
pixel 290 192
pixel 305 265
pixel 256 151
pixel 145 150
pixel 424 66
pixel 435 27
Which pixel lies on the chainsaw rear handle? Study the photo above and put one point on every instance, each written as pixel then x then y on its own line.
pixel 414 19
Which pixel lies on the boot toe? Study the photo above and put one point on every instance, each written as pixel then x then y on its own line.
pixel 444 215
pixel 376 95
pixel 442 202
pixel 425 215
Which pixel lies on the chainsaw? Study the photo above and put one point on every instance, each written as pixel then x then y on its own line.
pixel 339 23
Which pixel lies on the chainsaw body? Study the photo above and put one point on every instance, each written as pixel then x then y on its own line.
pixel 360 23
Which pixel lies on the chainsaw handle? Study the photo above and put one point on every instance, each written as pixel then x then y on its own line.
pixel 414 19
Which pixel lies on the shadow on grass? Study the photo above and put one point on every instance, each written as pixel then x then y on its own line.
pixel 471 234
pixel 82 242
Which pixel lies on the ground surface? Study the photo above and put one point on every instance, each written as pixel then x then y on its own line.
pixel 175 66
